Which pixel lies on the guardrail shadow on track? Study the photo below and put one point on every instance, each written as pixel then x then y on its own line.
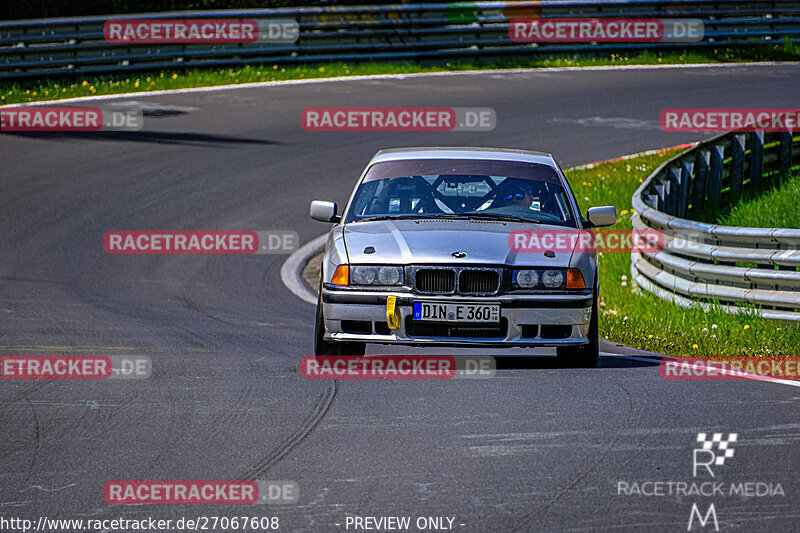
pixel 144 136
pixel 538 362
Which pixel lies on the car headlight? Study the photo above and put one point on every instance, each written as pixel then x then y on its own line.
pixel 547 278
pixel 552 279
pixel 527 279
pixel 376 275
pixel 390 275
pixel 363 275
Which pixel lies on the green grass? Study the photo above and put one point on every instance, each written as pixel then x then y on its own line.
pixel 60 88
pixel 720 214
pixel 776 208
pixel 635 317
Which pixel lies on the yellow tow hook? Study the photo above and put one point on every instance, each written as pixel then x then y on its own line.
pixel 392 313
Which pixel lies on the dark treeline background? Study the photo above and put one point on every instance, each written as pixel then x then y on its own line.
pixel 29 9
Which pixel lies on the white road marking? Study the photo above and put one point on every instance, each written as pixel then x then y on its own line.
pixel 291 271
pixel 605 122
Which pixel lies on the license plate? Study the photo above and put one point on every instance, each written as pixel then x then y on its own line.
pixel 446 312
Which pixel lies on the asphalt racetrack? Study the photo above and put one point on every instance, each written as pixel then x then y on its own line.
pixel 532 449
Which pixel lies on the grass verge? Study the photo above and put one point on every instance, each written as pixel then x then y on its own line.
pixel 635 317
pixel 61 88
pixel 776 208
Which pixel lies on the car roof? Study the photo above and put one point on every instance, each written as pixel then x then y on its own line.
pixel 467 152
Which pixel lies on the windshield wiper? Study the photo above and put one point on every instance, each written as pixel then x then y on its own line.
pixel 460 216
pixel 491 216
pixel 395 217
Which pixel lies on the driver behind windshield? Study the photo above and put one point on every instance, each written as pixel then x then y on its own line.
pixel 514 193
pixel 529 194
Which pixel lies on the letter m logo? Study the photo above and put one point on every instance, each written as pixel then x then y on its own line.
pixel 710 513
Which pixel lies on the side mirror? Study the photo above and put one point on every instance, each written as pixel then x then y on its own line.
pixel 324 211
pixel 602 216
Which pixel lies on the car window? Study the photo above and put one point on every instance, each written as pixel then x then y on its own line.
pixel 524 190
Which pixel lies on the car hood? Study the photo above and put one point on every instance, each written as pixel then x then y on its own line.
pixel 430 241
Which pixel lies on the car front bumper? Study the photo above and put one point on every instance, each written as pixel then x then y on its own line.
pixel 530 320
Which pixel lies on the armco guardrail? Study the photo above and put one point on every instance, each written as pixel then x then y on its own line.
pixel 51 47
pixel 698 262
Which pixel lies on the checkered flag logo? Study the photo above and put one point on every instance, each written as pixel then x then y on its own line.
pixel 722 445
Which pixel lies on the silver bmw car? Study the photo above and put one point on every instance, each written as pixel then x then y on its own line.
pixel 460 247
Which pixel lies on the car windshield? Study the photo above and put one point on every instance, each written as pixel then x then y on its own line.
pixel 439 188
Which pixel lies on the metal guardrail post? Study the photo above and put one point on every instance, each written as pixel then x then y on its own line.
pixel 700 182
pixel 785 153
pixel 756 159
pixel 686 180
pixel 662 192
pixel 672 190
pixel 737 167
pixel 715 175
